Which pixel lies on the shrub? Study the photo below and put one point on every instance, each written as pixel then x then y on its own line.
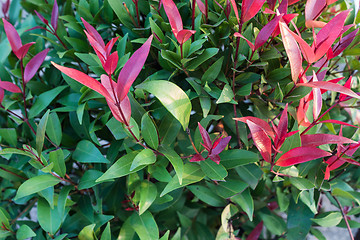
pixel 178 119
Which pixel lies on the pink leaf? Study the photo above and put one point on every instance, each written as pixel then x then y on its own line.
pixel 259 122
pixel 183 35
pixel 12 35
pixel 261 140
pixel 85 80
pixel 110 45
pixel 34 64
pixel 215 158
pixel 344 43
pixel 271 4
pixel 99 50
pixel 23 50
pixel 249 9
pixel 314 140
pixel 292 51
pixel 330 87
pixel 266 32
pixel 132 69
pixel 197 158
pixel 300 114
pixel 329 33
pixel 1 95
pixel 173 15
pixel 351 161
pixel 201 6
pixel 343 97
pixel 338 122
pixel 300 155
pixel 313 9
pixel 41 18
pixel 221 145
pixel 111 63
pixel 205 136
pixel 283 6
pixel 317 103
pixel 9 86
pixel 252 47
pixel 255 233
pixel 291 2
pixel 55 16
pixel 233 3
pixel 283 123
pixel 92 32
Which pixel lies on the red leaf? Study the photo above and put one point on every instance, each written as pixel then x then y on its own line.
pixel 183 35
pixel 300 155
pixel 271 4
pixel 13 36
pixel 206 138
pixel 313 9
pixel 132 69
pixel 283 123
pixel 9 86
pixel 110 45
pixel 173 15
pixel 343 97
pixel 260 123
pixel 1 95
pixel 261 140
pixel 249 9
pixel 283 6
pixel 338 122
pixel 292 51
pixel 23 50
pixel 314 140
pixel 266 31
pixel 197 158
pixel 233 3
pixel 111 63
pixel 317 103
pixel 344 43
pixel 251 45
pixel 328 34
pixel 99 50
pixel 349 160
pixel 41 18
pixel 215 158
pixel 255 233
pixel 201 6
pixel 33 65
pixel 85 80
pixel 55 16
pixel 92 32
pixel 330 87
pixel 222 143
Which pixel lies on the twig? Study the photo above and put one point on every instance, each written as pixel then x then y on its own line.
pixel 344 216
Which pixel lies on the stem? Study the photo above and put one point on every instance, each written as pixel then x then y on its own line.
pixel 193 18
pixel 137 12
pixel 23 86
pixel 344 216
pixel 233 89
pixel 206 11
pixel 181 50
pixel 23 211
pixel 12 173
pixel 192 142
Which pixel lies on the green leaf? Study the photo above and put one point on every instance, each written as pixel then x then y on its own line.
pixel 172 97
pixel 53 128
pixel 11 173
pixel 86 152
pixel 88 180
pixel 149 131
pixel 40 132
pixel 148 193
pixel 226 95
pixel 166 235
pixel 9 135
pixel 213 170
pixel 192 174
pixel 172 57
pixel 328 219
pixel 206 55
pixel 213 71
pixel 36 184
pixel 206 195
pixel 120 168
pixel 274 224
pixel 145 226
pixel 245 201
pixel 301 183
pixel 145 157
pixel 230 188
pixel 106 234
pixel 346 194
pixel 156 29
pixel 175 160
pixel 298 221
pixel 229 211
pixel 282 199
pixel 15 151
pixel 57 158
pixel 44 100
pixel 49 219
pixel 169 129
pixel 87 233
pixel 250 173
pixel 237 157
pixel 24 232
pixel 116 128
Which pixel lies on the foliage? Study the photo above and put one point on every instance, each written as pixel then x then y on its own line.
pixel 192 120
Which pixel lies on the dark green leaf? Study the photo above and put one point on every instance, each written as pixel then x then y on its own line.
pixel 145 226
pixel 149 131
pixel 53 128
pixel 86 152
pixel 213 170
pixel 36 184
pixel 57 158
pixel 40 132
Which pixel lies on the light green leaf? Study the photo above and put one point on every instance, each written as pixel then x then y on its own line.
pixel 175 160
pixel 301 183
pixel 145 157
pixel 149 132
pixel 148 193
pixel 328 219
pixel 172 97
pixel 86 152
pixel 250 173
pixel 237 157
pixel 57 158
pixel 40 132
pixel 226 95
pixel 106 234
pixel 24 232
pixel 230 187
pixel 53 128
pixel 87 233
pixel 36 184
pixel 145 226
pixel 229 211
pixel 49 219
pixel 9 135
pixel 206 195
pixel 213 170
pixel 245 201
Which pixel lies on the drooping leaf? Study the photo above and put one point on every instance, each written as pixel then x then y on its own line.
pixel 300 155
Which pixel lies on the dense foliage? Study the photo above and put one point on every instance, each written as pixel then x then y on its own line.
pixel 178 119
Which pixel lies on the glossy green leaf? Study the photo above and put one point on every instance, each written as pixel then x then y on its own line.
pixel 230 188
pixel 40 132
pixel 213 170
pixel 87 233
pixel 149 131
pixel 148 193
pixel 86 152
pixel 301 183
pixel 24 232
pixel 57 158
pixel 36 184
pixel 206 195
pixel 237 157
pixel 9 135
pixel 172 97
pixel 145 157
pixel 169 129
pixel 298 221
pixel 53 128
pixel 245 201
pixel 328 219
pixel 274 224
pixel 175 160
pixel 145 226
pixel 88 180
pixel 106 234
pixel 250 173
pixel 213 71
pixel 49 219
pixel 226 96
pixel 206 55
